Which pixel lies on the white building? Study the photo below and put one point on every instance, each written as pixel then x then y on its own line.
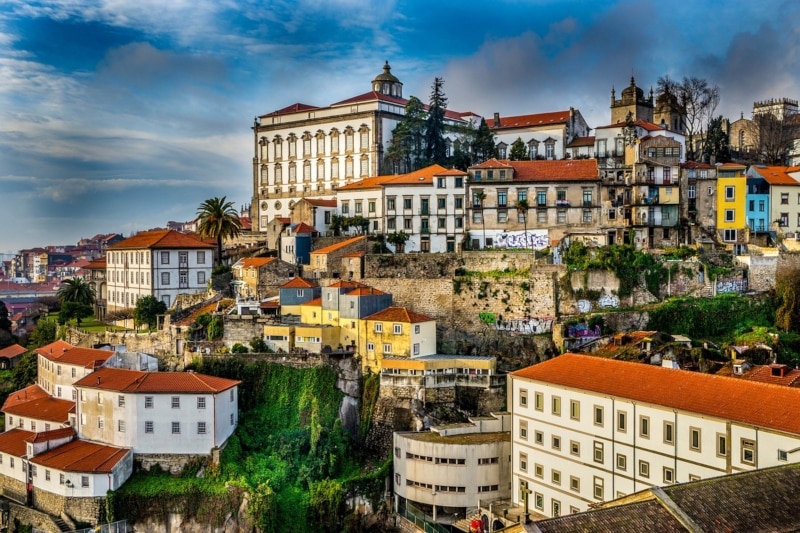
pixel 448 469
pixel 588 429
pixel 159 263
pixel 158 413
pixel 545 135
pixel 60 364
pixel 33 409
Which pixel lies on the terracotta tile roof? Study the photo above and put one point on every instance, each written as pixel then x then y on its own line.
pixel 732 166
pixel 492 163
pixel 346 284
pixel 423 176
pixel 54 350
pixel 749 402
pixel 316 302
pixel 321 202
pixel 776 175
pixel 97 264
pixel 81 456
pixel 298 283
pixel 162 238
pixel 367 183
pixel 630 518
pixel 452 172
pixel 85 357
pixel 360 253
pixel 270 305
pixel 31 392
pixel 37 406
pixel 536 119
pixel 763 374
pixel 581 141
pixel 12 442
pixel 697 164
pixel 284 220
pixel 303 228
pixel 364 291
pixel 338 245
pixel 561 170
pixel 15 350
pixel 294 108
pixel 255 262
pixel 399 314
pixel 53 434
pixel 135 381
pixel 644 124
pixel 246 223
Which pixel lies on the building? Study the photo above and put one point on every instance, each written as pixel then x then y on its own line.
pixel 10 355
pixel 395 331
pixel 326 262
pixel 295 243
pixel 732 205
pixel 260 277
pixel 544 135
pixel 448 469
pixel 582 435
pixel 698 203
pixel 315 212
pixel 60 364
pixel 779 189
pixel 158 263
pixel 33 409
pixel 95 273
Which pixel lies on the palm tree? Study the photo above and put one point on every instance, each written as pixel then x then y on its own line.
pixel 76 290
pixel 480 196
pixel 522 207
pixel 218 219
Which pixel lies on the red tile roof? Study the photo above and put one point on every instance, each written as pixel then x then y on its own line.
pixel 338 245
pixel 85 357
pixel 452 172
pixel 760 404
pixel 355 254
pixel 697 164
pixel 399 314
pixel 316 302
pixel 763 374
pixel 561 170
pixel 31 392
pixel 776 175
pixel 732 166
pixel 53 434
pixel 161 238
pixel 346 284
pixel 321 202
pixel 81 456
pixel 294 108
pixel 12 442
pixel 135 381
pixel 54 350
pixel 255 262
pixel 303 228
pixel 97 264
pixel 423 176
pixel 37 405
pixel 367 183
pixel 298 283
pixel 526 121
pixel 364 291
pixel 493 163
pixel 581 141
pixel 15 350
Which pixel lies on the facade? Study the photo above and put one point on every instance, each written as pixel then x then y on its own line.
pixel 545 135
pixel 582 435
pixel 159 263
pixel 295 243
pixel 315 212
pixel 395 331
pixel 260 277
pixel 33 409
pixel 157 413
pixel 327 262
pixel 698 200
pixel 732 204
pixel 779 189
pixel 96 276
pixel 450 468
pixel 60 365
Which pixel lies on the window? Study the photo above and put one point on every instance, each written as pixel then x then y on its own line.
pixel 722 445
pixel 523 429
pixel 669 475
pixel 370 346
pixel 541 198
pixel 598 488
pixel 587 197
pixel 415 349
pixel 538 401
pixel 669 432
pixel 387 348
pixel 176 428
pixel 502 216
pixel 783 455
pixel 201 258
pixel 390 204
pixel 358 206
pixel 522 195
pixel 231 394
pixel 598 415
pixel 416 329
pixel 575 410
pixel 84 481
pixel 574 484
pixel 644 469
pixel 398 329
pixel 121 401
pixel 761 206
pixel 47 475
pixel 598 452
pixel 523 397
pixel 622 421
pixel 502 198
pixel 232 419
pixel 748 451
pixel 730 215
pixel 729 235
pixel 694 439
pixel 730 193
pixel 538 437
pixel 407 223
pixel 201 428
pixel 121 426
pixel 459 182
pixel 538 501
pixel 440 183
pixel 201 402
pixel 100 423
pixel 201 278
pixel 692 191
pixel 406 203
pixel 556 401
pixel 556 442
pixel 538 471
pixel 176 402
pixel 164 258
pixel 561 216
pixel 575 448
pixel 378 327
pixel 555 477
pixel 148 402
pixel 148 427
pixel 622 462
pixel 165 278
pixel 644 427
pixel 555 504
pixel 784 220
pixel 523 462
pixel 784 198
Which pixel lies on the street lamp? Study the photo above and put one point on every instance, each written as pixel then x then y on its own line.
pixel 433 494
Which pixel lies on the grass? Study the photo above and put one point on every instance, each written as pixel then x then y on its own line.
pixel 89 325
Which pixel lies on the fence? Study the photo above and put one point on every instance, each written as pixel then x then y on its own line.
pixel 120 526
pixel 419 519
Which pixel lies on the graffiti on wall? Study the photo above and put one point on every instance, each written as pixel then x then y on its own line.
pixel 607 300
pixel 527 325
pixel 731 285
pixel 583 330
pixel 534 240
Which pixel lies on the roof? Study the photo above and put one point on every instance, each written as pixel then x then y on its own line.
pixel 644 124
pixel 303 228
pixel 294 108
pixel 339 245
pixel 697 164
pixel 639 516
pixel 561 170
pixel 71 355
pixel 53 434
pixel 776 175
pixel 452 172
pixel 37 404
pixel 298 283
pixel 54 348
pixel 81 456
pixel 399 314
pixel 763 374
pixel 372 95
pixel 581 141
pixel 364 291
pixel 536 119
pixel 161 238
pixel 135 381
pixel 254 262
pixel 423 176
pixel 15 350
pixel 97 264
pixel 367 183
pixel 732 166
pixel 12 441
pixel 346 284
pixel 749 402
pixel 316 302
pixel 321 202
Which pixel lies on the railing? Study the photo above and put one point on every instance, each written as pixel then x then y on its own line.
pixel 420 519
pixel 120 526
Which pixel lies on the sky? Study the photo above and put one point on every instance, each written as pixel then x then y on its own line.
pixel 120 115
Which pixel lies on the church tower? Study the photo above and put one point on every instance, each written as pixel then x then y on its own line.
pixel 633 102
pixel 669 114
pixel 387 83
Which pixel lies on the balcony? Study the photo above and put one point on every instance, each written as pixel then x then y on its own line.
pixel 562 203
pixel 425 231
pixel 424 211
pixel 587 203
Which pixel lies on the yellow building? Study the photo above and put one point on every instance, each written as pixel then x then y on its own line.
pixel 731 204
pixel 395 331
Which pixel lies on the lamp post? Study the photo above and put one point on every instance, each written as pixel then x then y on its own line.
pixel 433 494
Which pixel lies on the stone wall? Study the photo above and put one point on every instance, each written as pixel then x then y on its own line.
pixel 242 328
pixel 31 517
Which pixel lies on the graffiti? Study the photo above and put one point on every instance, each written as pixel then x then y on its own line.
pixel 527 325
pixel 731 285
pixel 583 330
pixel 487 318
pixel 608 301
pixel 534 240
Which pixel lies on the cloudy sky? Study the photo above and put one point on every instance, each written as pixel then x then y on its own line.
pixel 119 115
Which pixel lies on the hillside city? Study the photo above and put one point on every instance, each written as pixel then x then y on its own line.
pixel 430 320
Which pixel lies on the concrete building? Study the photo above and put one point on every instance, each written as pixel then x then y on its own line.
pixel 582 435
pixel 698 200
pixel 395 331
pixel 779 189
pixel 731 196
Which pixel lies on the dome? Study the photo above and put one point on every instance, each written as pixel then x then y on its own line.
pixel 386 75
pixel 632 91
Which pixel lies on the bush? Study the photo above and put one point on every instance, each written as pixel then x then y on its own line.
pixel 239 348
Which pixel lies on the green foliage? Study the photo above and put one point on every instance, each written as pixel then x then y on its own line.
pixel 220 270
pixel 717 143
pixel 74 310
pixel 398 239
pixel 24 372
pixel 435 147
pixel 519 151
pixel 258 345
pixel 325 502
pixel 5 326
pixel 624 260
pixel 217 219
pixel 484 146
pixel 215 328
pixel 44 333
pixel 405 151
pixel 239 348
pixel 717 319
pixel 787 300
pixel 147 310
pixel 681 253
pixel 76 290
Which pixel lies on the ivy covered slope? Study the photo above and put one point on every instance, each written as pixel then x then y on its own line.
pixel 289 454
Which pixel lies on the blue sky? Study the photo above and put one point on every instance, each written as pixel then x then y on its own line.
pixel 119 115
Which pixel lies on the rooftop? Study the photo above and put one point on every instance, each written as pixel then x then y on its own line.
pixel 134 381
pixel 536 119
pixel 399 314
pixel 81 456
pixel 338 245
pixel 34 402
pixel 161 238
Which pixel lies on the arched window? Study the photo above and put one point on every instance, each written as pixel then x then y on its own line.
pixel 348 168
pixel 320 170
pixel 349 140
pixel 292 140
pixel 364 166
pixel 278 144
pixel 307 171
pixel 502 150
pixel 533 149
pixel 320 143
pixel 306 144
pixel 364 140
pixel 334 141
pixel 278 174
pixel 292 173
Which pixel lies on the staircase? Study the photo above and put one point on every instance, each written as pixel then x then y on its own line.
pixel 463 524
pixel 62 526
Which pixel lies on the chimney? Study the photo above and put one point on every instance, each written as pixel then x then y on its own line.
pixel 496 120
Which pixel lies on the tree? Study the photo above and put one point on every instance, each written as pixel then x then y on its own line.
pixel 480 196
pixel 775 136
pixel 698 101
pixel 147 310
pixel 716 148
pixel 6 339
pixel 218 219
pixel 398 239
pixel 359 222
pixel 484 146
pixel 522 207
pixel 24 372
pixel 76 290
pixel 518 152
pixel 44 333
pixel 435 147
pixel 76 310
pixel 787 296
pixel 405 152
